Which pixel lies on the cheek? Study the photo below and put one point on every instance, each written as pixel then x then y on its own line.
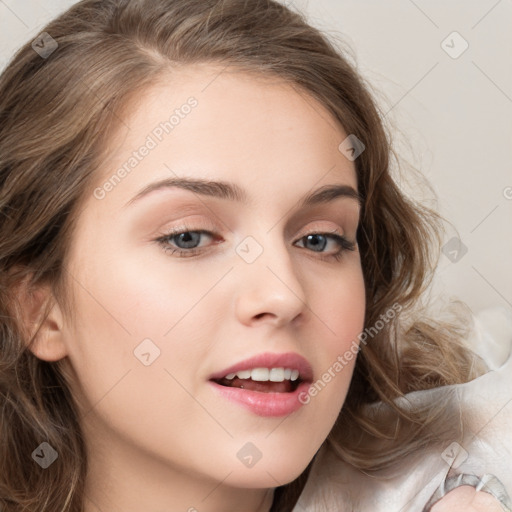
pixel 130 375
pixel 340 310
pixel 340 305
pixel 134 313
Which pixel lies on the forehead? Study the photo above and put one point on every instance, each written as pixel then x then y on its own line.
pixel 251 129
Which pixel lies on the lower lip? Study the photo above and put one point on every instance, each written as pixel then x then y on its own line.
pixel 265 404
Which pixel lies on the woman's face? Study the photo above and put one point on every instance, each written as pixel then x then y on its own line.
pixel 153 327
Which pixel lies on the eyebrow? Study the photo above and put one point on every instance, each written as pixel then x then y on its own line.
pixel 231 191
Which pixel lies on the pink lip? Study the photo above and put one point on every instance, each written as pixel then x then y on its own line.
pixel 270 360
pixel 267 404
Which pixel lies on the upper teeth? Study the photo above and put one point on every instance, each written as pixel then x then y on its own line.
pixel 266 374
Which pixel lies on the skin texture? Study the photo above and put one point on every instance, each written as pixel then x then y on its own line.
pixel 467 499
pixel 158 437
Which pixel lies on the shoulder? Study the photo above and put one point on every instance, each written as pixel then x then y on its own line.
pixel 467 499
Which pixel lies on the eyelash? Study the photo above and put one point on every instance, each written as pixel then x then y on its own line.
pixel 344 243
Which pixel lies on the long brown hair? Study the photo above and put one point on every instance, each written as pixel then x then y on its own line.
pixel 57 104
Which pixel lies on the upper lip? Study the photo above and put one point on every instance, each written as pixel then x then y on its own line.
pixel 271 360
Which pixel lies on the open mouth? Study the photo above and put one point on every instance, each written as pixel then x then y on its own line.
pixel 286 386
pixel 268 385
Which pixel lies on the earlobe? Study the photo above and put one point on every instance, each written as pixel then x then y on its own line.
pixel 43 333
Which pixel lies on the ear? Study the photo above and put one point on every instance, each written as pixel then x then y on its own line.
pixel 48 343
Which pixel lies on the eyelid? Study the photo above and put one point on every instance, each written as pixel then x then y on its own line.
pixel 191 225
pixel 344 243
pixel 207 225
pixel 318 226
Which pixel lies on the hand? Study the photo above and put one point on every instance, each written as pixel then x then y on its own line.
pixel 467 499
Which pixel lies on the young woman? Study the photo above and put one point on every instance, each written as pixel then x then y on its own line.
pixel 211 286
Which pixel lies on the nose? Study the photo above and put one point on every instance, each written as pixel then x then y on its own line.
pixel 269 289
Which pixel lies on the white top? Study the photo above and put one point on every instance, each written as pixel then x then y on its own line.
pixel 484 460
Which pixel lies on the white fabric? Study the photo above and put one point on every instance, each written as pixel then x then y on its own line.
pixel 334 486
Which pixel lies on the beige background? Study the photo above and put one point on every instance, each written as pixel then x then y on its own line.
pixel 452 115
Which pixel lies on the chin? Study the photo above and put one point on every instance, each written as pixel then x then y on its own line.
pixel 267 474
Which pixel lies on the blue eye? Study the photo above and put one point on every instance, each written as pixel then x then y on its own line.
pixel 343 243
pixel 187 240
